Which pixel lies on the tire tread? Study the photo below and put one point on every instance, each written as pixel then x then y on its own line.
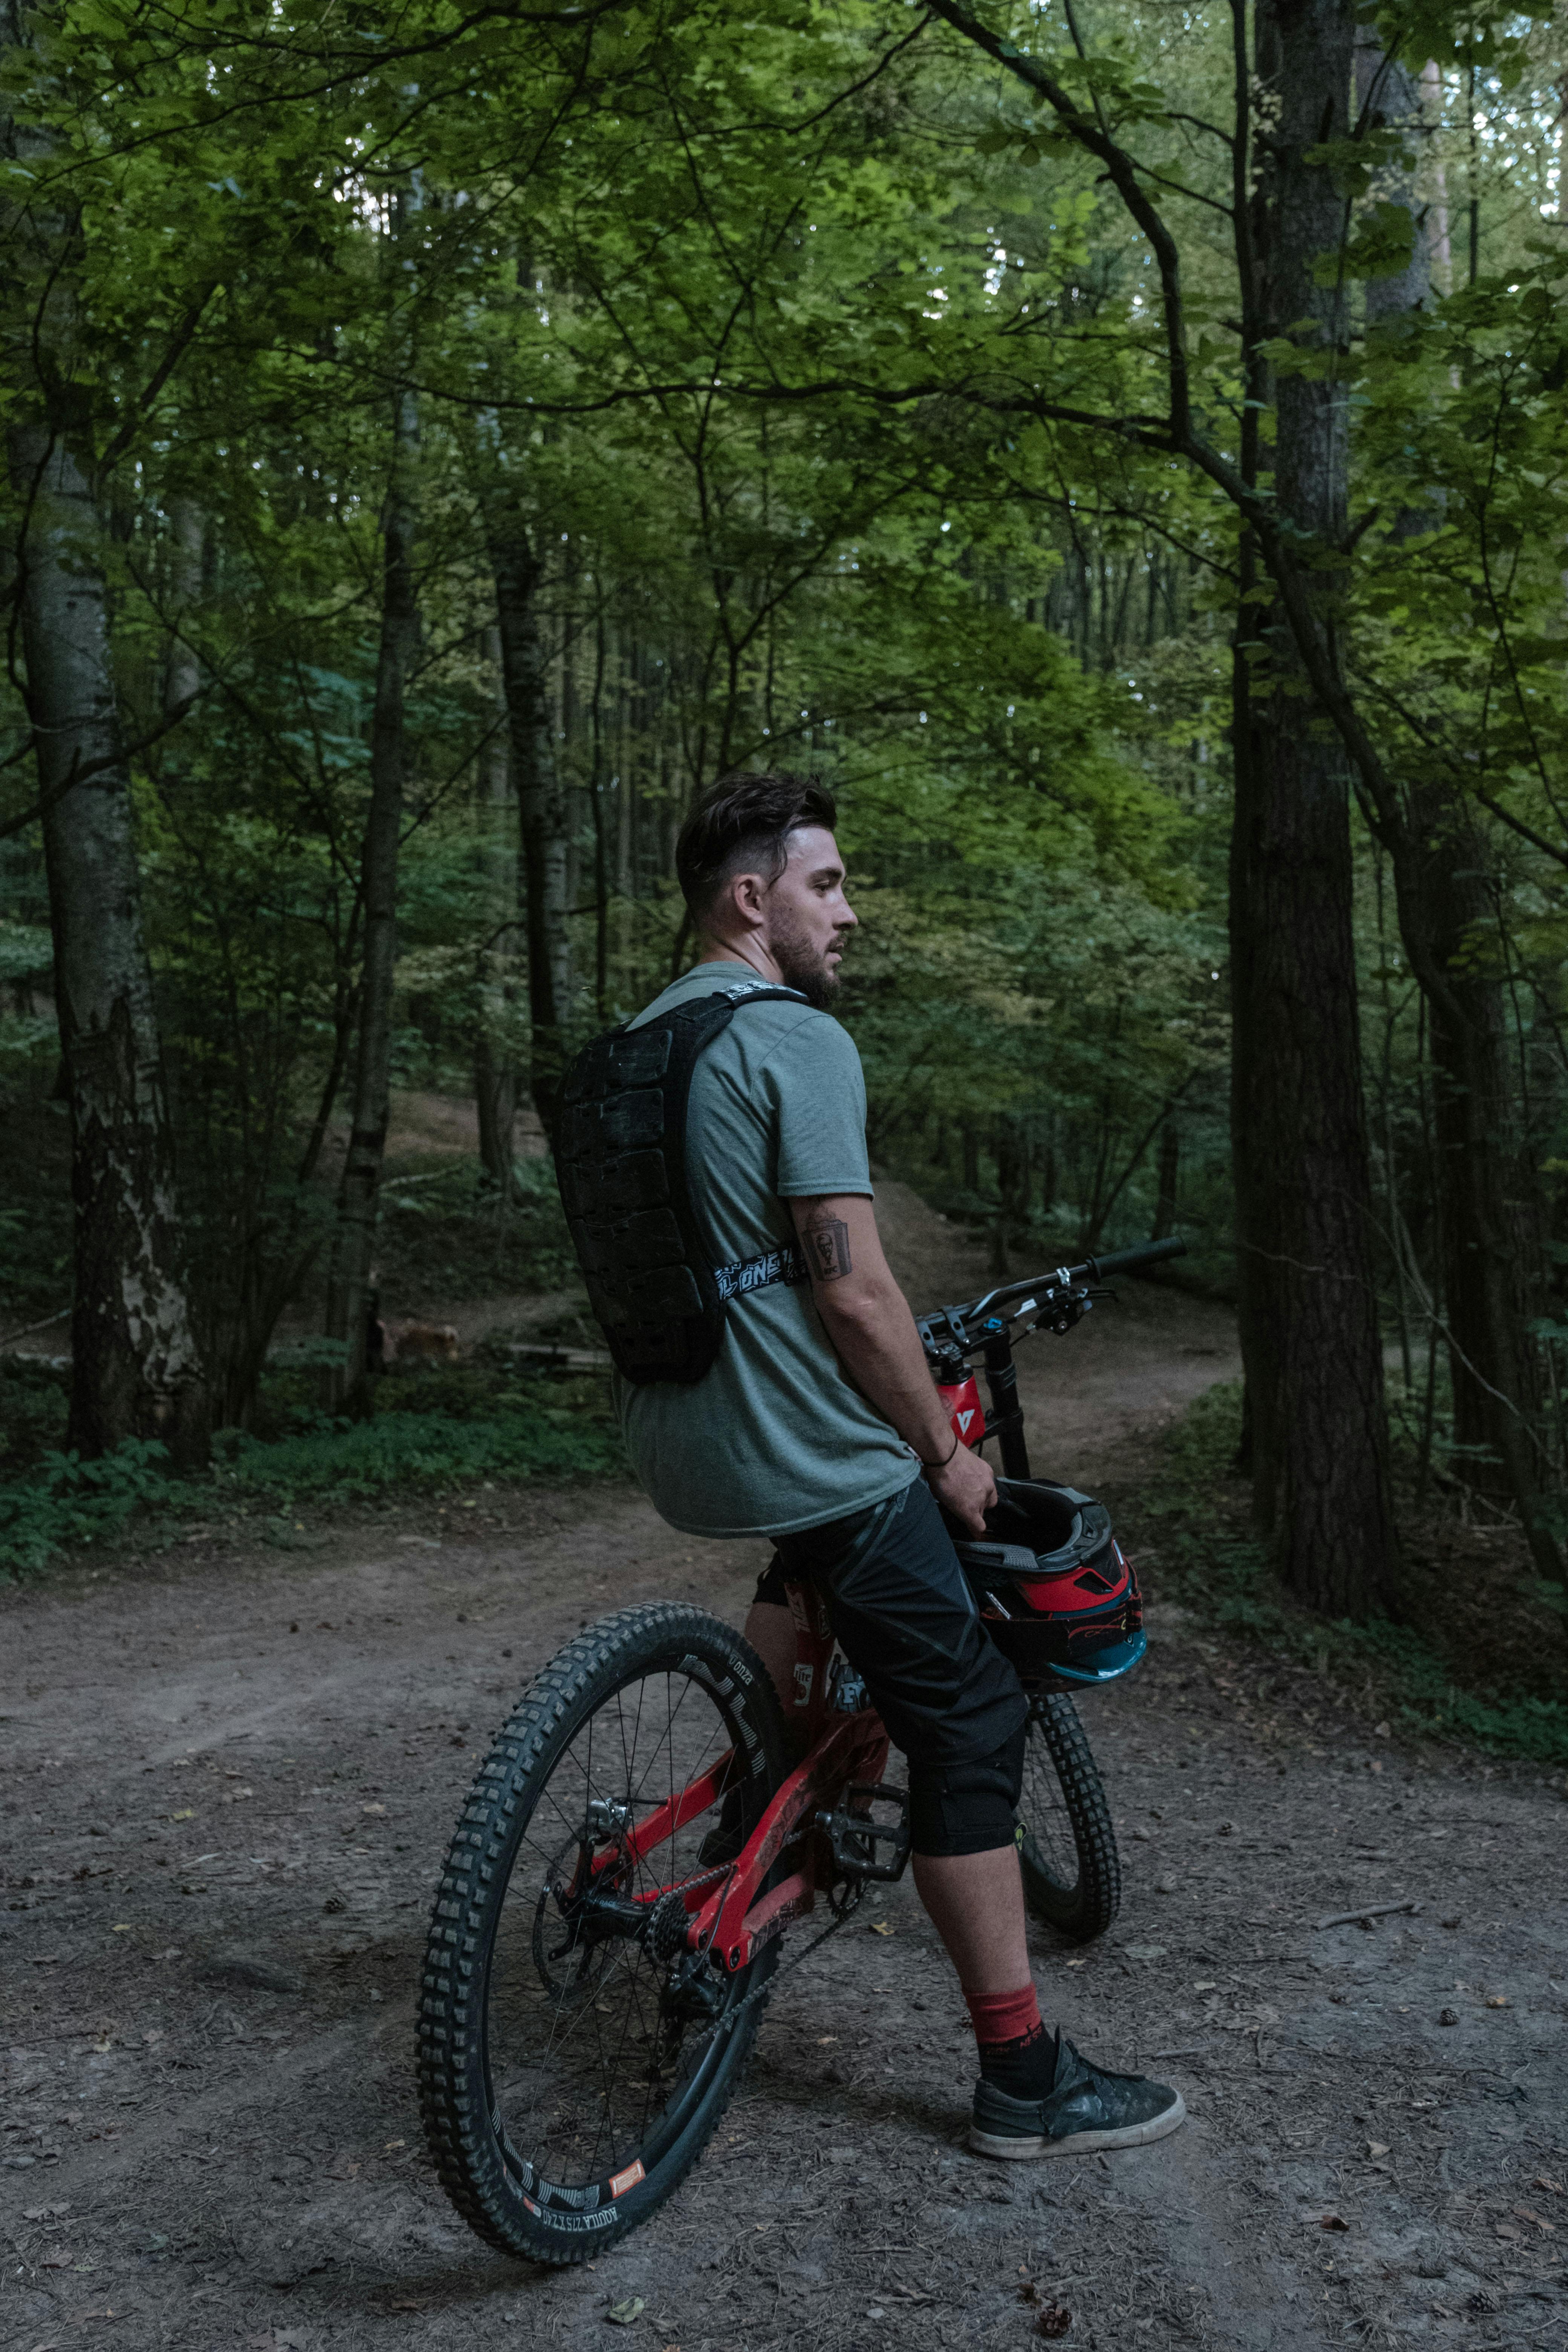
pixel 457 2130
pixel 1088 1908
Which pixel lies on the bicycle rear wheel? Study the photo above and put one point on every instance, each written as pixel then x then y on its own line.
pixel 1067 1847
pixel 573 2058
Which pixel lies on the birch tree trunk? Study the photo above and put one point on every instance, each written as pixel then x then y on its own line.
pixel 136 1368
pixel 543 808
pixel 1310 1328
pixel 354 1239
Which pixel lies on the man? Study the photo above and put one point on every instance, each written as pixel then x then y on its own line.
pixel 818 1425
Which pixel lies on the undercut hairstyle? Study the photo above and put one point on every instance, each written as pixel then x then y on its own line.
pixel 741 825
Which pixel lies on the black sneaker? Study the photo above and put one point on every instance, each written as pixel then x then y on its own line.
pixel 1085 2109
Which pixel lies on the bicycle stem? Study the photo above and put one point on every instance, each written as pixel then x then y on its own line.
pixel 1006 1420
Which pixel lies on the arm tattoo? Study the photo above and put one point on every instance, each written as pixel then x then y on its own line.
pixel 826 1241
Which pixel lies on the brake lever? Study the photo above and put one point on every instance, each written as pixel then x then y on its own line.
pixel 1070 1307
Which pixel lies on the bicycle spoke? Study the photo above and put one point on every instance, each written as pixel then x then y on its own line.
pixel 585 2059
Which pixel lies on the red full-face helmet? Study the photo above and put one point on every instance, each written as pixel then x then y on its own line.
pixel 1053 1587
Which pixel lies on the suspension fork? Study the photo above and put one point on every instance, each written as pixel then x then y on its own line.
pixel 1004 1422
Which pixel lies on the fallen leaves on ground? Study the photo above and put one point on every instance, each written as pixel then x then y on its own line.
pixel 625 2315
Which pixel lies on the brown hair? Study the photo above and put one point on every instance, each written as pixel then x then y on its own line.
pixel 742 822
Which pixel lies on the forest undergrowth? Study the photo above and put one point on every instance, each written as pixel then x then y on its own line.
pixel 1478 1652
pixel 435 1431
pixel 435 1427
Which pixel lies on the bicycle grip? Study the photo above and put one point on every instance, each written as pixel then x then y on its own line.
pixel 1128 1261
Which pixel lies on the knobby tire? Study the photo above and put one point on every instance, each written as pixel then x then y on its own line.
pixel 486 2163
pixel 1066 1846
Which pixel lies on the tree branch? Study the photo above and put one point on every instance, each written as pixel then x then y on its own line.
pixel 141 406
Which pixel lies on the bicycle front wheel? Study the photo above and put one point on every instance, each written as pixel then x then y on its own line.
pixel 1066 1846
pixel 573 2057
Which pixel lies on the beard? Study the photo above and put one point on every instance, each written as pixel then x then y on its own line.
pixel 804 966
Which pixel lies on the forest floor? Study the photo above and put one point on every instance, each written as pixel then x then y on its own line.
pixel 232 1776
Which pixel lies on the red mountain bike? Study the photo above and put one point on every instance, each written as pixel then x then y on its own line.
pixel 607 1931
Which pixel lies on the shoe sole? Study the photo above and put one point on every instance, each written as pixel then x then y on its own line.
pixel 1084 2143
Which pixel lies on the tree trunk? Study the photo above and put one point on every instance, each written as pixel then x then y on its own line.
pixel 1309 1332
pixel 354 1239
pixel 596 811
pixel 1493 1257
pixel 495 1064
pixel 136 1370
pixel 541 809
pixel 1012 1172
pixel 1170 1162
pixel 182 676
pixel 1491 1220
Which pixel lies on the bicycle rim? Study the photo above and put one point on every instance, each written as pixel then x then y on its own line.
pixel 575 2056
pixel 583 2068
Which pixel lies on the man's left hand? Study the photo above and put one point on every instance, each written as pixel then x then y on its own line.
pixel 966 1487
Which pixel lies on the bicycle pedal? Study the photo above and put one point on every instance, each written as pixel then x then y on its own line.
pixel 855 1836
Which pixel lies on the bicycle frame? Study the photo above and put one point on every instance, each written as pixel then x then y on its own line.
pixel 728 1916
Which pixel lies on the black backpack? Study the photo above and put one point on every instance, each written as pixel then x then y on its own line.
pixel 620 1161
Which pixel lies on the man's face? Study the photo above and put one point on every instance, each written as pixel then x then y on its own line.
pixel 808 914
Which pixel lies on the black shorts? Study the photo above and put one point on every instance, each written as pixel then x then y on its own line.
pixel 900 1607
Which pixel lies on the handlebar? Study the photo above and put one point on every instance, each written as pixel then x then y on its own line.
pixel 1063 1277
pixel 1128 1261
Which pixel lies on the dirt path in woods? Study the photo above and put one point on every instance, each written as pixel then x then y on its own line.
pixel 228 1784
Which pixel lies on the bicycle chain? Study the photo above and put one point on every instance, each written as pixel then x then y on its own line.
pixel 761 1993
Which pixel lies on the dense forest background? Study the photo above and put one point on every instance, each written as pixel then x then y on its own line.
pixel 1122 451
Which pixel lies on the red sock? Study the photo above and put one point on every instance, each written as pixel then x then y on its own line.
pixel 1015 2051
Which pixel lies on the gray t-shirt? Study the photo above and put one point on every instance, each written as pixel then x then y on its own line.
pixel 776 1437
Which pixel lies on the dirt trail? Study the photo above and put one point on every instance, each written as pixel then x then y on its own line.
pixel 229 1787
